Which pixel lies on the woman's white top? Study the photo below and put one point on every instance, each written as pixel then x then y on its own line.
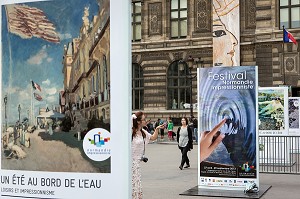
pixel 183 136
pixel 137 144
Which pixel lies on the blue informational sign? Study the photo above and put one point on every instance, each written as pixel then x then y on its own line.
pixel 227 98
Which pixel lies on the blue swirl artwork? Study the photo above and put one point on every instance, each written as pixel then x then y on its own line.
pixel 230 92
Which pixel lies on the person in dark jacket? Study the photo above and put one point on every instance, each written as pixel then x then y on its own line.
pixel 195 125
pixel 185 142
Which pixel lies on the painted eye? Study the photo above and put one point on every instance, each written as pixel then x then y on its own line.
pixel 219 33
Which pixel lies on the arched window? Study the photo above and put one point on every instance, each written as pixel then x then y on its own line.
pixel 179 86
pixel 137 87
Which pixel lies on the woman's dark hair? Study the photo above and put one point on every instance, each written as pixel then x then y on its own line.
pixel 186 120
pixel 135 125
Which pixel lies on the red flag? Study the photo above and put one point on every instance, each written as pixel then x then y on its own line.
pixel 37 97
pixel 36 86
pixel 28 22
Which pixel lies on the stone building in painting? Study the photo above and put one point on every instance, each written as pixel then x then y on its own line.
pixel 86 67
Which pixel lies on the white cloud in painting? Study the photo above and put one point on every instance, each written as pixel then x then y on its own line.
pixel 49 59
pixel 50 91
pixel 13 90
pixel 46 82
pixel 65 36
pixel 24 95
pixel 39 57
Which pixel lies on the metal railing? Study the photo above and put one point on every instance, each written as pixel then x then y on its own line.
pixel 279 154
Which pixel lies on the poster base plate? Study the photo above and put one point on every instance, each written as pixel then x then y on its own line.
pixel 196 191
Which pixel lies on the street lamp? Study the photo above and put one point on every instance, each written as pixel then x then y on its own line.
pixel 19 110
pixel 5 116
pixel 190 63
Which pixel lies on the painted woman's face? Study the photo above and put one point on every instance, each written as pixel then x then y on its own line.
pixel 224 45
pixel 225 32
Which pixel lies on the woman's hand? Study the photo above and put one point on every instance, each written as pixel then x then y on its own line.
pixel 162 126
pixel 155 134
pixel 209 140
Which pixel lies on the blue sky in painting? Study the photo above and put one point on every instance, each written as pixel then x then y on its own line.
pixel 39 60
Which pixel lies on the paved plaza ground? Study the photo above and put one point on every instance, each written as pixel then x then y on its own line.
pixel 162 179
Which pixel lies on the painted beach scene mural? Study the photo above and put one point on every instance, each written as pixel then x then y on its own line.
pixel 55 86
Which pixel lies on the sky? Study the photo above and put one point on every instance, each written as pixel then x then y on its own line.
pixel 37 59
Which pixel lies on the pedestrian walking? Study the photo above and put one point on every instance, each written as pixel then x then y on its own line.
pixel 170 129
pixel 185 142
pixel 195 125
pixel 140 138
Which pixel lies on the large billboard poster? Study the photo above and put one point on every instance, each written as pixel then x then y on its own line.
pixel 273 111
pixel 59 96
pixel 227 108
pixel 294 115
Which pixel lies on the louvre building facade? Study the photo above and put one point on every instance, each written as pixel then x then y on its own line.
pixel 167 32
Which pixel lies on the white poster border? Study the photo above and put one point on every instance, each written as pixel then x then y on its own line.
pixel 286 116
pixel 120 55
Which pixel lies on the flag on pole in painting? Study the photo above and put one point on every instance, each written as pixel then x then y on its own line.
pixel 288 37
pixel 37 97
pixel 28 22
pixel 36 86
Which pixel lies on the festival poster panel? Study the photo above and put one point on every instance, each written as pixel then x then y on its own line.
pixel 273 110
pixel 294 115
pixel 59 99
pixel 229 93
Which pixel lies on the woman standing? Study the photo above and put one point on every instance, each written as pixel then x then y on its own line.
pixel 185 142
pixel 140 138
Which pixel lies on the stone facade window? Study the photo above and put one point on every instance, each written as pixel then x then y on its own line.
pixel 178 18
pixel 290 13
pixel 136 18
pixel 179 86
pixel 137 87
